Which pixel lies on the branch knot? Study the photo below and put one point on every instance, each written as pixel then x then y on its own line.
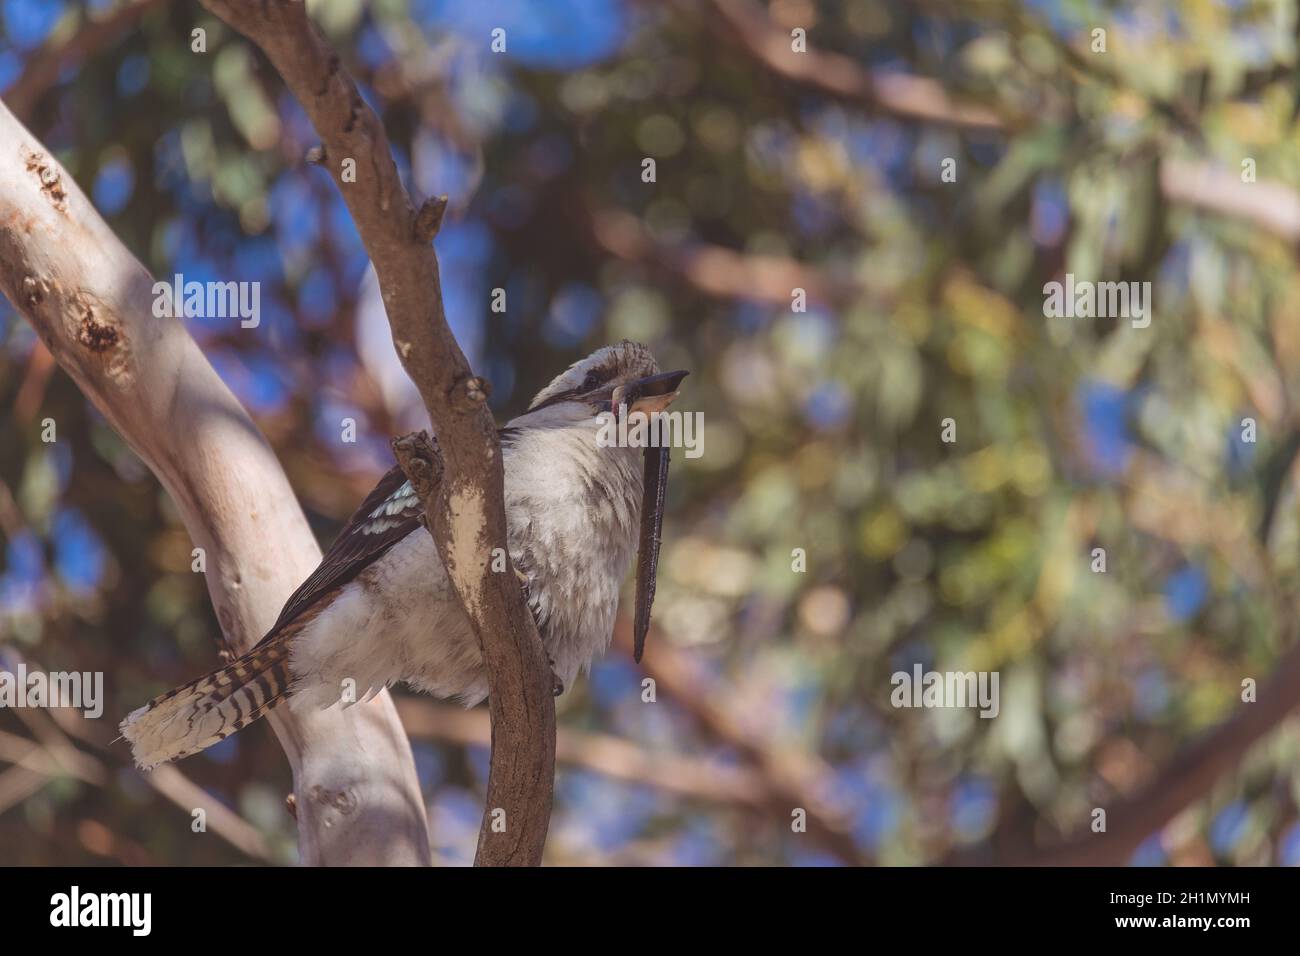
pixel 420 459
pixel 474 391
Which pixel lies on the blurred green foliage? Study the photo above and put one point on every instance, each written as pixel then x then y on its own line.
pixel 823 427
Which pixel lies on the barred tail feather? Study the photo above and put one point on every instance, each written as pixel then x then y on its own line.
pixel 198 714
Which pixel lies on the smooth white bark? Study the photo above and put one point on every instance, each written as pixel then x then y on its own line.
pixel 90 300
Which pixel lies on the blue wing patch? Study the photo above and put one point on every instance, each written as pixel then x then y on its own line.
pixel 390 512
pixel 397 508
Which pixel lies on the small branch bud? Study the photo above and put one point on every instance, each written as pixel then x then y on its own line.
pixel 429 219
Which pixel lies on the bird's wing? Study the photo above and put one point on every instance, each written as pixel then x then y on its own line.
pixel 390 512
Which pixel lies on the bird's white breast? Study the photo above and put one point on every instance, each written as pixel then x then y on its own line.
pixel 572 510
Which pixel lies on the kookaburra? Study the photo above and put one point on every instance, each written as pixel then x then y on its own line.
pixel 380 607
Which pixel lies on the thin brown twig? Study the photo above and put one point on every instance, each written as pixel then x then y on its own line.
pixel 57 755
pixel 715 270
pixel 1267 204
pixel 836 75
pixel 467 517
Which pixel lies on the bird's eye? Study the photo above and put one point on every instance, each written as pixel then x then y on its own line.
pixel 591 381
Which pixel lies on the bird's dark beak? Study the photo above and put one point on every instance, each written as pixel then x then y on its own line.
pixel 648 395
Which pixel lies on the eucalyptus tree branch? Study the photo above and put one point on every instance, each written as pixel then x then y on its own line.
pixel 715 270
pixel 692 778
pixel 1189 776
pixel 91 302
pixel 1272 206
pixel 467 515
pixel 53 754
pixel 840 77
pixel 1269 205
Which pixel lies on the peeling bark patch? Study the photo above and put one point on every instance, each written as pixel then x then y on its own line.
pixel 468 392
pixel 466 558
pixel 34 290
pixel 43 168
pixel 92 333
pixel 478 390
pixel 343 802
